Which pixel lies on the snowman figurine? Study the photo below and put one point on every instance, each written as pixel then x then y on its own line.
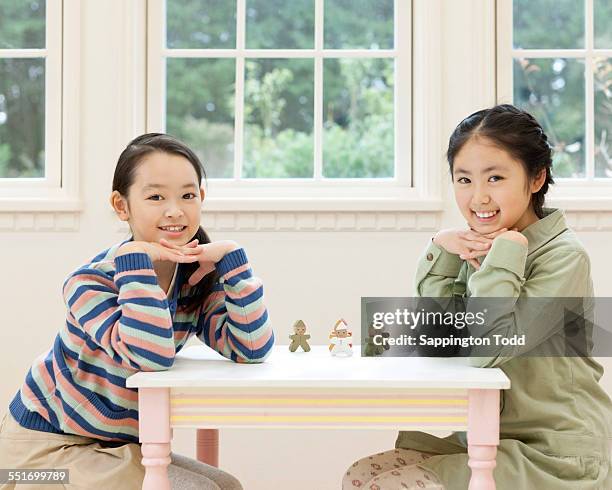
pixel 341 340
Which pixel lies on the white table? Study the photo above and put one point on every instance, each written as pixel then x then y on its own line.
pixel 315 390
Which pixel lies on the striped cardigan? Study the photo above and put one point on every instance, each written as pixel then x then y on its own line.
pixel 119 322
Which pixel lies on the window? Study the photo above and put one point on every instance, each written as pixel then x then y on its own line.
pixel 39 107
pixel 555 61
pixel 296 97
pixel 30 88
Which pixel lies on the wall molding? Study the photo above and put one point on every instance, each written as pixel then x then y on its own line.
pixel 589 220
pixel 366 221
pixel 300 221
pixel 290 221
pixel 322 221
pixel 39 221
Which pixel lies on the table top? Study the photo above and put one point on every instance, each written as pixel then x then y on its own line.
pixel 199 366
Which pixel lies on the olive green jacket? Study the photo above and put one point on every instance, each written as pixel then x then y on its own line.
pixel 556 420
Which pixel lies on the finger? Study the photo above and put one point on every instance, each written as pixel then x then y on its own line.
pixel 166 243
pixel 192 251
pixel 496 233
pixel 179 257
pixel 193 248
pixel 470 260
pixel 493 232
pixel 182 249
pixel 472 254
pixel 199 274
pixel 171 252
pixel 475 236
pixel 478 245
pixel 474 263
pixel 196 277
pixel 187 260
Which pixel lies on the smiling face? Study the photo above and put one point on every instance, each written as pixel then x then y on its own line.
pixel 165 193
pixel 342 332
pixel 491 187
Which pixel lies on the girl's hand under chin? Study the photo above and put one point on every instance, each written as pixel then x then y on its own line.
pixel 155 251
pixel 468 244
pixel 207 254
pixel 512 235
pixel 515 236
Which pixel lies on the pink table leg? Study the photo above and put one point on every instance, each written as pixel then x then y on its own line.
pixel 155 436
pixel 482 437
pixel 207 446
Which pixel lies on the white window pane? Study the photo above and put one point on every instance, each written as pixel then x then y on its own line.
pixel 355 24
pixel 358 133
pixel 22 24
pixel 22 117
pixel 602 12
pixel 548 24
pixel 278 113
pixel 203 24
pixel 603 117
pixel 200 109
pixel 280 24
pixel 553 91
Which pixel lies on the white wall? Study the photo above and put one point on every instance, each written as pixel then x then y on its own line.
pixel 316 276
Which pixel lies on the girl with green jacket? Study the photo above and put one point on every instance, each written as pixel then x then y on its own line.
pixel 556 420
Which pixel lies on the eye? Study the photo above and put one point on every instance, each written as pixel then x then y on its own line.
pixel 155 195
pixel 190 194
pixel 465 179
pixel 496 177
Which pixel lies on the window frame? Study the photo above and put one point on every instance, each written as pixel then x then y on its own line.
pixel 58 190
pixel 590 193
pixel 410 189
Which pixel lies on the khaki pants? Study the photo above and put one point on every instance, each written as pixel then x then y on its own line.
pixel 95 464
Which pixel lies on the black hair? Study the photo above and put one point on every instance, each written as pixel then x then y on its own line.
pixel 129 161
pixel 515 131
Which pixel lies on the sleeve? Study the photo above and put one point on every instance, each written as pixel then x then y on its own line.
pixel 234 320
pixel 133 326
pixel 438 273
pixel 557 280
